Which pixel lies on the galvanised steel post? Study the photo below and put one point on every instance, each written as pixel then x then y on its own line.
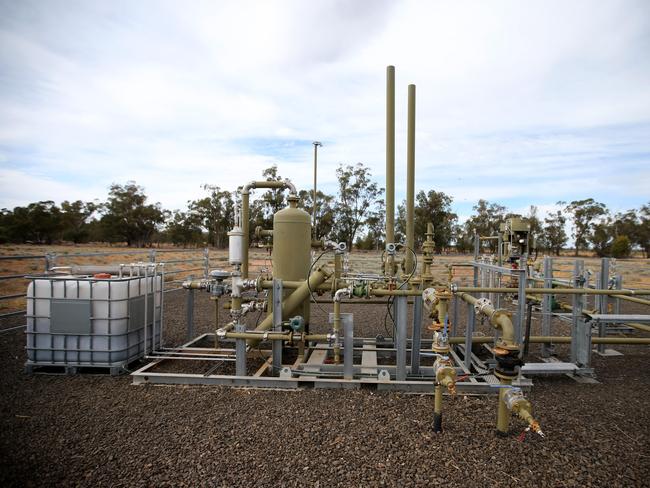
pixel 603 284
pixel 206 262
pixel 580 330
pixel 277 326
pixel 469 332
pixel 521 305
pixel 240 350
pixel 190 312
pixel 348 346
pixel 400 337
pixel 618 285
pixel 547 305
pixel 417 335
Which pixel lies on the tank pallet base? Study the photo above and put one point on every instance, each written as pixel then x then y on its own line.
pixel 75 369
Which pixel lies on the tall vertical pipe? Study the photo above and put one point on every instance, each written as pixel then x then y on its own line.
pixel 245 226
pixel 410 181
pixel 313 202
pixel 390 154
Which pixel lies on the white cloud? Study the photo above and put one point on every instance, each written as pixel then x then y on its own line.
pixel 538 100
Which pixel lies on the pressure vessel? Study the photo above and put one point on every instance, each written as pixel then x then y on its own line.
pixel 291 254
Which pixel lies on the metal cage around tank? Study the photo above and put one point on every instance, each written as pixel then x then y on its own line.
pixel 78 322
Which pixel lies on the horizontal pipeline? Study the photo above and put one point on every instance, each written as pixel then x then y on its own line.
pixel 274 336
pixel 292 285
pixel 561 340
pixel 452 340
pixel 553 291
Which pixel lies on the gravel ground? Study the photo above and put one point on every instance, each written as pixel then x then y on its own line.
pixel 102 431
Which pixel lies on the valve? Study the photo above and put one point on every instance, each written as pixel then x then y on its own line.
pixel 332 338
pixel 519 405
pixel 440 342
pixel 297 323
pixel 445 373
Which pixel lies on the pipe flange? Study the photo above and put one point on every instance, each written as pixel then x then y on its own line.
pixel 480 304
pixel 430 298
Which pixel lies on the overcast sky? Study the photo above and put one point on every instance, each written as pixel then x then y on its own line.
pixel 517 102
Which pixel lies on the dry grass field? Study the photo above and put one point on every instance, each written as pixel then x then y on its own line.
pixel 635 271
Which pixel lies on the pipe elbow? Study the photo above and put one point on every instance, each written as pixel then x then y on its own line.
pixel 342 292
pixel 248 187
pixel 502 321
pixel 290 186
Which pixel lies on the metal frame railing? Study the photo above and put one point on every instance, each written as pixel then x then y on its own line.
pixel 53 259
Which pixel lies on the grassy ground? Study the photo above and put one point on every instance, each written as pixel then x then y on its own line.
pixel 635 271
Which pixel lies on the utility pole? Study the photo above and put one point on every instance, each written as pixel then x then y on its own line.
pixel 313 202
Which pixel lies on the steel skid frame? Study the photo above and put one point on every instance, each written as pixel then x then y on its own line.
pixel 368 362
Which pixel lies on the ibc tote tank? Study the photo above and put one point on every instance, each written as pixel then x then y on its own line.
pixel 291 254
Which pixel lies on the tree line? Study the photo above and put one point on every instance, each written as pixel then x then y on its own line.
pixel 355 215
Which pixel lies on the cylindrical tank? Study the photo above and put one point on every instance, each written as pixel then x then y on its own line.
pixel 235 239
pixel 292 246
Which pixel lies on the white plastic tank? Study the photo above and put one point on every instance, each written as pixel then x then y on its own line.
pixel 86 321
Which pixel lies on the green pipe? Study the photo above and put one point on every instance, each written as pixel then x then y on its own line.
pixel 274 336
pixel 293 285
pixel 245 226
pixel 245 214
pixel 503 414
pixel 641 327
pixel 498 318
pixel 390 154
pixel 410 181
pixel 561 340
pixel 634 300
pixel 396 293
pixel 437 409
pixel 554 291
pixel 296 299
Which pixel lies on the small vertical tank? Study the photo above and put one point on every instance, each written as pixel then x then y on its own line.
pixel 291 254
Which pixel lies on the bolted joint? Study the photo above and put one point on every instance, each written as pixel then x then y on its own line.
pixel 507 363
pixel 482 306
pixel 520 406
pixel 445 373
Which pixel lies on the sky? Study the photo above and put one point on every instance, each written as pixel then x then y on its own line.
pixel 520 103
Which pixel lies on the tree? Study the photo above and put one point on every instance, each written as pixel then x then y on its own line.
pixel 127 216
pixel 184 228
pixel 271 201
pixel 635 224
pixel 535 225
pixel 376 225
pixel 356 196
pixel 584 213
pixel 430 207
pixel 555 237
pixel 643 235
pixel 621 247
pixel 324 211
pixel 75 218
pixel 215 214
pixel 38 222
pixel 486 221
pixel 602 236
